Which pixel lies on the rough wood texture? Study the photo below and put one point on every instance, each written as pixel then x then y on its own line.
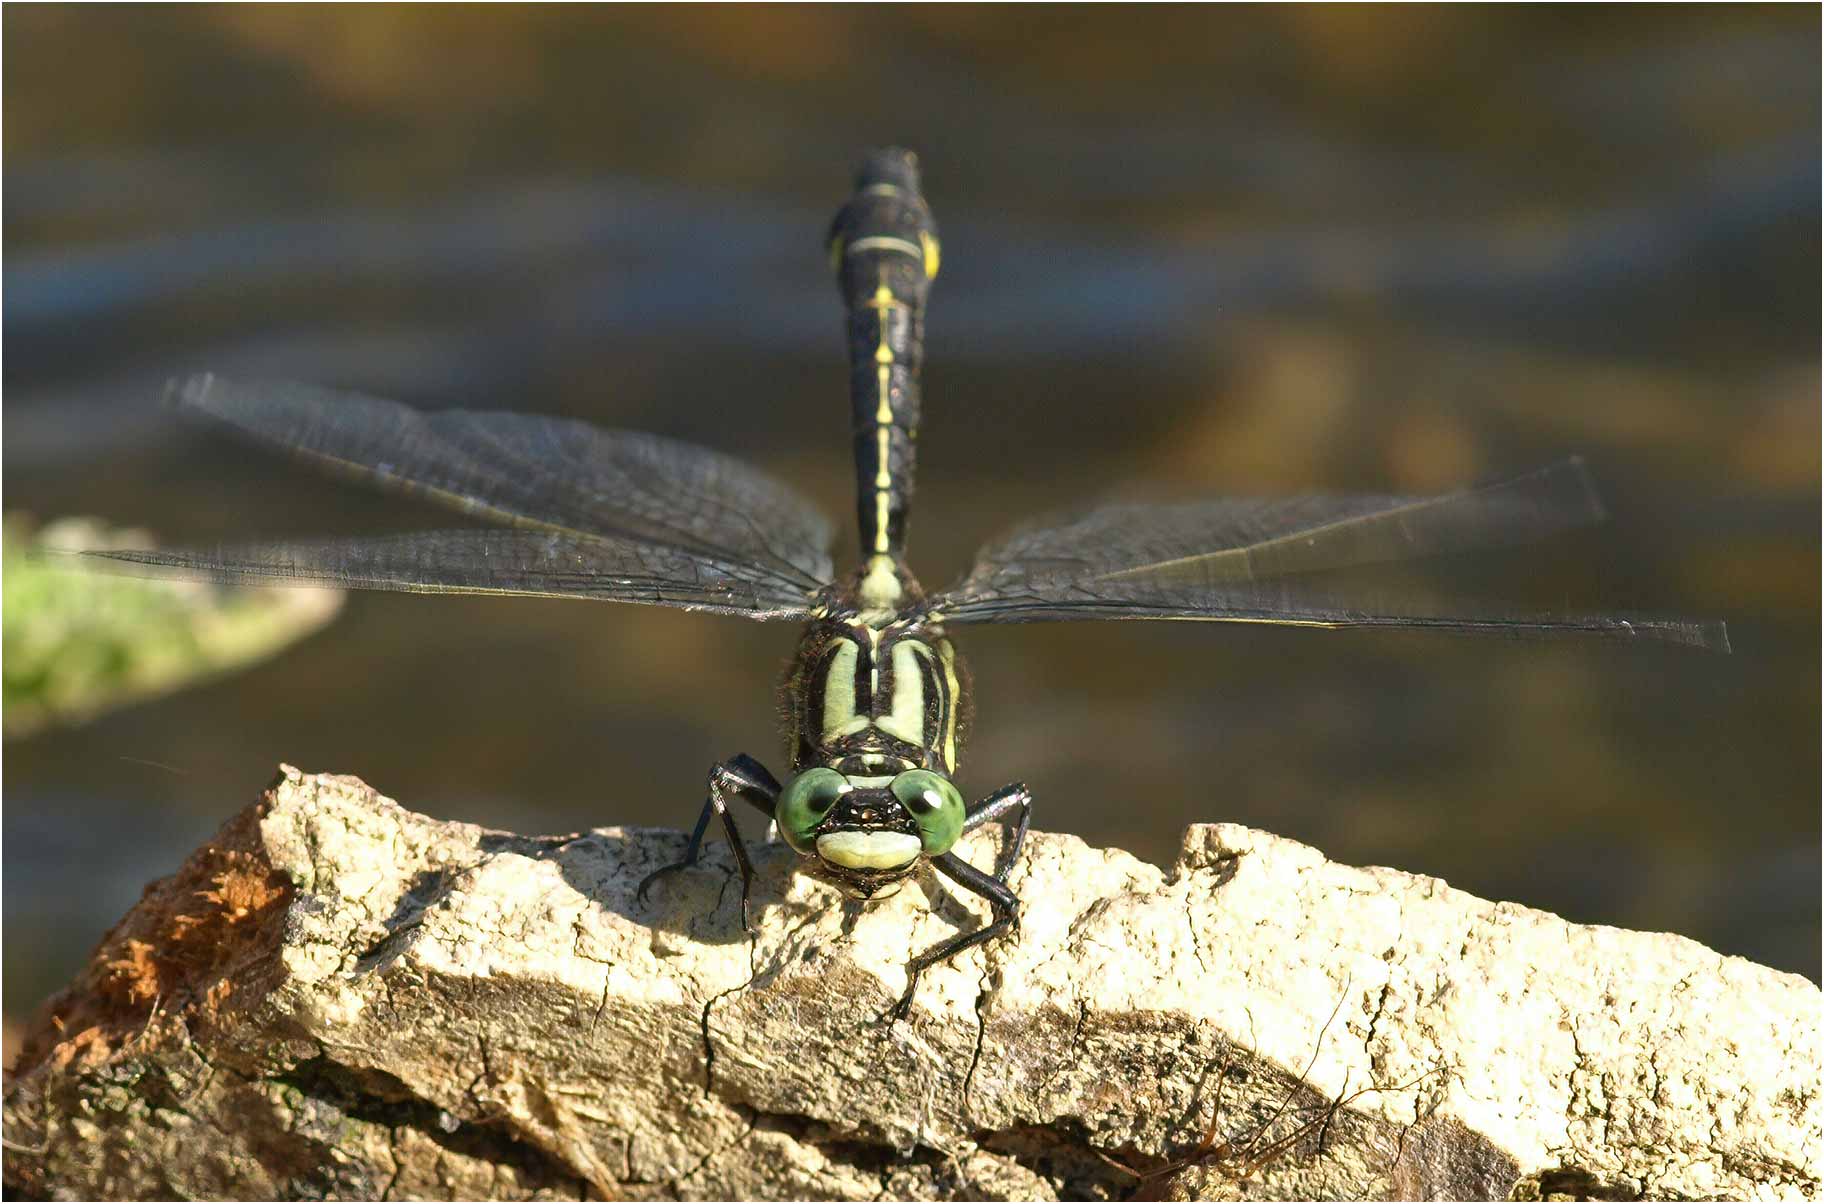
pixel 341 998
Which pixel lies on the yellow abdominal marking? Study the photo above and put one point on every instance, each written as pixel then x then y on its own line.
pixel 885 242
pixel 883 413
pixel 881 542
pixel 880 591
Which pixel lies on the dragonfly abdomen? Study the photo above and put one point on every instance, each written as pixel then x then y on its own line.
pixel 883 246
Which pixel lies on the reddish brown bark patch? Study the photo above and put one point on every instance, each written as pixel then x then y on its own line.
pixel 181 951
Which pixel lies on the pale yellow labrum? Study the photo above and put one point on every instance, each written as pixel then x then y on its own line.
pixel 868 850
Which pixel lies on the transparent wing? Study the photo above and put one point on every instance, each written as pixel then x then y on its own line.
pixel 541 563
pixel 535 471
pixel 1302 604
pixel 1279 561
pixel 1246 539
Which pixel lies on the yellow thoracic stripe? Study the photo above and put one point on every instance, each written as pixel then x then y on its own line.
pixel 946 717
pixel 946 655
pixel 873 665
pixel 839 691
pixel 905 717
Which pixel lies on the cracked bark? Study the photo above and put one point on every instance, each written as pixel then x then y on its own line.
pixel 339 998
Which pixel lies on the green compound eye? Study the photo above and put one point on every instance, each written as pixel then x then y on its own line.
pixel 935 804
pixel 804 802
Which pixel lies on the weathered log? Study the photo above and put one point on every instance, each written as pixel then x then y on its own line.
pixel 340 998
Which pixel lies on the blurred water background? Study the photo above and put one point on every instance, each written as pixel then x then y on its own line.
pixel 1216 250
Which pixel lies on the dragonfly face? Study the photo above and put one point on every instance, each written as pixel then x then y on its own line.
pixel 869 832
pixel 877 699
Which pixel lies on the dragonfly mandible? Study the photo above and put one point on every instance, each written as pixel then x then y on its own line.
pixel 878 698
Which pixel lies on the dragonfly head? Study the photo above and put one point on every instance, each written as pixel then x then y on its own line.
pixel 867 832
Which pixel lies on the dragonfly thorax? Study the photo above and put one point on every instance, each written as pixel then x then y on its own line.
pixel 871 698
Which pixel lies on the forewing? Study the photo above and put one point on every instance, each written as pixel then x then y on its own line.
pixel 1281 561
pixel 535 471
pixel 538 563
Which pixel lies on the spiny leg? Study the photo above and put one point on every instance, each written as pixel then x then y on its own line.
pixel 995 808
pixel 1004 904
pixel 744 778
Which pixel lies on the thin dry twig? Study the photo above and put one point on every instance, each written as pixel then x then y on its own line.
pixel 1241 1162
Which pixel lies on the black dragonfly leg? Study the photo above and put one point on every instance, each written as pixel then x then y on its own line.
pixel 739 777
pixel 1005 905
pixel 996 807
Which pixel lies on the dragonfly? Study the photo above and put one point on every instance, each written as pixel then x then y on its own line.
pixel 878 697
